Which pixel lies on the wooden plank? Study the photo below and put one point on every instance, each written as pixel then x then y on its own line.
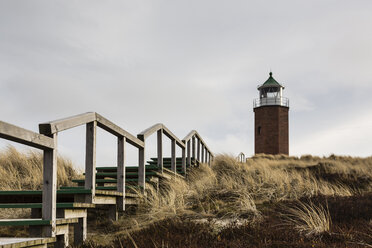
pixel 24 242
pixel 128 174
pixel 35 222
pixel 103 200
pixel 78 120
pixel 193 146
pixel 49 198
pixel 121 172
pixel 66 123
pixel 63 236
pixel 110 127
pixel 202 153
pixel 189 136
pixel 24 136
pixel 184 160
pixel 21 205
pixel 193 134
pixel 97 187
pixel 108 193
pixel 198 151
pixel 72 213
pixel 173 154
pixel 141 168
pixel 80 231
pixel 97 180
pixel 160 150
pixel 147 132
pixel 107 180
pixel 170 135
pixel 188 153
pixel 24 222
pixel 90 160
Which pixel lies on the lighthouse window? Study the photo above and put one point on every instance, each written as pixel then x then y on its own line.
pixel 259 130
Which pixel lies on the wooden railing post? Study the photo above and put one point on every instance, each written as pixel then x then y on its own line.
pixel 121 172
pixel 206 156
pixel 160 150
pixel 202 153
pixel 198 151
pixel 141 164
pixel 188 153
pixel 173 156
pixel 90 160
pixel 49 204
pixel 193 147
pixel 184 160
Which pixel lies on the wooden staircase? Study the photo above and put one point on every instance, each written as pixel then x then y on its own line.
pixel 54 211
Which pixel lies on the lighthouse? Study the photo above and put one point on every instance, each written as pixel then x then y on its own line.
pixel 271 119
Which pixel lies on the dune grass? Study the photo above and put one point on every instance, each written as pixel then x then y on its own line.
pixel 243 193
pixel 231 203
pixel 24 170
pixel 308 218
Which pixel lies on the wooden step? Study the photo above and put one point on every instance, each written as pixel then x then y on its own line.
pixel 148 169
pixel 61 191
pixel 36 222
pixel 109 180
pixel 127 169
pixel 69 205
pixel 101 187
pixel 169 159
pixel 25 242
pixel 127 175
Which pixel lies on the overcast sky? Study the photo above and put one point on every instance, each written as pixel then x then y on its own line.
pixel 191 64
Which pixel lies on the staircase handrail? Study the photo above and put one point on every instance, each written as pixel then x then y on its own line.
pixel 92 120
pixel 160 129
pixel 192 135
pixel 160 126
pixel 85 118
pixel 48 145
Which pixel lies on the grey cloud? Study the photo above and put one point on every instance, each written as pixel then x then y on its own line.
pixel 188 64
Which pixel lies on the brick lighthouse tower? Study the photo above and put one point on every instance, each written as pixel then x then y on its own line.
pixel 271 119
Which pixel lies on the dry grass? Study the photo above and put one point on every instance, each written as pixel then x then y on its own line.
pixel 23 171
pixel 234 191
pixel 229 191
pixel 308 218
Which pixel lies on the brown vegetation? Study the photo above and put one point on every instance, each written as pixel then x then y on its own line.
pixel 269 201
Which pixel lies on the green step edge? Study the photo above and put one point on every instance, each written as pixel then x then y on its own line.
pixel 40 192
pixel 99 187
pixel 108 174
pixel 26 223
pixel 108 180
pixel 102 168
pixel 169 158
pixel 35 222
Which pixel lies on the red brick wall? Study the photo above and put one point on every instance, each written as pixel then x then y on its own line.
pixel 273 122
